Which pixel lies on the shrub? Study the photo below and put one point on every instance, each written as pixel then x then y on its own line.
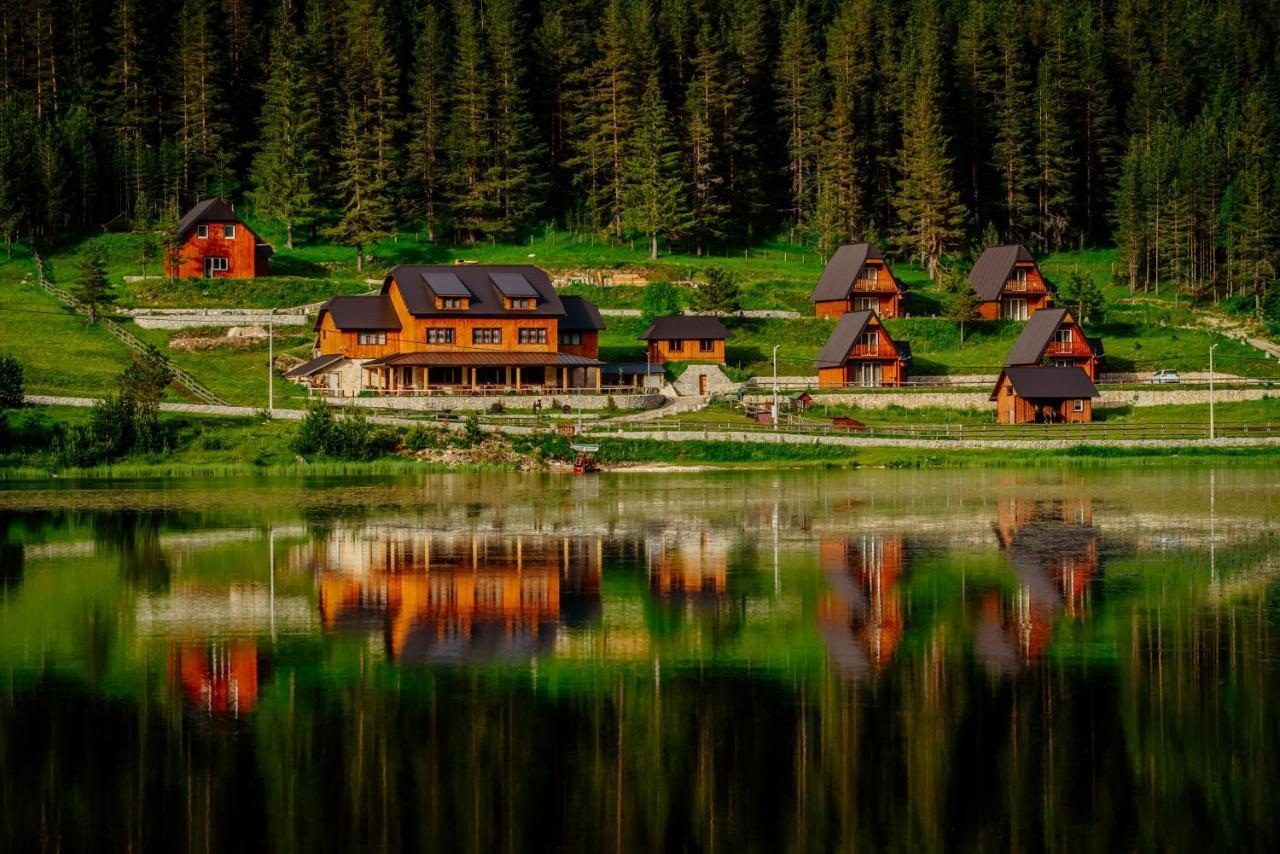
pixel 11 382
pixel 497 408
pixel 421 438
pixel 348 437
pixel 720 294
pixel 472 432
pixel 660 298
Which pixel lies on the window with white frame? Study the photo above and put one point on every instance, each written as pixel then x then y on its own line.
pixel 218 265
pixel 371 338
pixel 1077 405
pixel 486 336
pixel 453 302
pixel 1018 279
pixel 229 231
pixel 440 335
pixel 202 231
pixel 522 302
pixel 1062 336
pixel 533 336
pixel 869 341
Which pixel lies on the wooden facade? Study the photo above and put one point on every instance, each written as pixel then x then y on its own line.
pixel 708 350
pixel 860 352
pixel 875 289
pixel 212 242
pixel 1024 293
pixel 1013 408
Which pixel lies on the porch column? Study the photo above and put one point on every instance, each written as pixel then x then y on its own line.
pixel 473 377
pixel 506 375
pixel 517 379
pixel 564 378
pixel 426 378
pixel 598 372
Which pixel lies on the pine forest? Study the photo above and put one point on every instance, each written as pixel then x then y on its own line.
pixel 928 126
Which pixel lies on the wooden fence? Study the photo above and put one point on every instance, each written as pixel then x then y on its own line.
pixel 183 379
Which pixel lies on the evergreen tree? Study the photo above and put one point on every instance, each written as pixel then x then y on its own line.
pixel 976 79
pixel 850 67
pixel 654 190
pixel 1081 294
pixel 200 105
pixel 429 95
pixel 1054 159
pixel 961 301
pixel 706 106
pixel 1254 268
pixel 800 99
pixel 92 288
pixel 1011 159
pixel 1096 122
pixel 285 169
pixel 367 214
pixel 469 154
pixel 720 293
pixel 370 83
pixel 931 218
pixel 516 173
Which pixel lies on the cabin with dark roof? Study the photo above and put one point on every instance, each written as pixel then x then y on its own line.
pixel 1008 284
pixel 212 242
pixel 1053 337
pixel 860 352
pixel 686 338
pixel 476 327
pixel 1043 395
pixel 857 279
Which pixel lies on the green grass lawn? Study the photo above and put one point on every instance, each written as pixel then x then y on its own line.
pixel 60 352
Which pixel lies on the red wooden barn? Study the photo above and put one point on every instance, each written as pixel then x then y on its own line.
pixel 214 242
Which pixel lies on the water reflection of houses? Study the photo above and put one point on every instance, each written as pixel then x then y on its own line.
pixel 860 618
pixel 451 597
pixel 219 679
pixel 691 568
pixel 1052 546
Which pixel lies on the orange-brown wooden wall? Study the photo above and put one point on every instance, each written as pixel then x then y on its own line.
pixel 1036 294
pixel 692 351
pixel 239 252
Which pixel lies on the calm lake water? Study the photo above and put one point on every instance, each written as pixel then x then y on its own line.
pixel 798 661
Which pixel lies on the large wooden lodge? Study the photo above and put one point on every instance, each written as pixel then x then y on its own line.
pixel 472 327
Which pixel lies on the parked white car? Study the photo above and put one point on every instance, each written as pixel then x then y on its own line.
pixel 1165 376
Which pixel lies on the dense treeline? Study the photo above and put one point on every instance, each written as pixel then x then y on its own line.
pixel 926 125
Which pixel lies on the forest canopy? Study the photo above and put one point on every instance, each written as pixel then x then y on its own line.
pixel 925 125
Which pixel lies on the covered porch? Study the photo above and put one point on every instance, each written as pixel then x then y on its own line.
pixel 482 373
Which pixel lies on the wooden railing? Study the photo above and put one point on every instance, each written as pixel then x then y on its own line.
pixel 180 377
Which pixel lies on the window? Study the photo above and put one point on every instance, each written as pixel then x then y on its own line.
pixel 453 302
pixel 371 338
pixel 1018 279
pixel 521 302
pixel 229 231
pixel 1008 391
pixel 202 231
pixel 707 345
pixel 1077 405
pixel 867 279
pixel 675 345
pixel 1062 336
pixel 533 336
pixel 571 339
pixel 869 341
pixel 218 265
pixel 440 335
pixel 866 304
pixel 1013 309
pixel 486 336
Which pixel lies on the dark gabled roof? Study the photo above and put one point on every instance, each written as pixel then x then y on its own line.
pixel 315 366
pixel 992 269
pixel 842 339
pixel 1035 336
pixel 369 312
pixel 843 268
pixel 1045 383
pixel 580 315
pixel 263 250
pixel 486 299
pixel 210 210
pixel 685 327
pixel 852 324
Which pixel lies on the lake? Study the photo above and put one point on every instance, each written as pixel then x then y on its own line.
pixel 792 661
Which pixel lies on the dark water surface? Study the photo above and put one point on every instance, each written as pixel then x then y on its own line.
pixel 803 661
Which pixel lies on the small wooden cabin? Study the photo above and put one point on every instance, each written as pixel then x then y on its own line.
pixel 1052 336
pixel 860 352
pixel 857 279
pixel 1044 395
pixel 212 242
pixel 1008 283
pixel 686 338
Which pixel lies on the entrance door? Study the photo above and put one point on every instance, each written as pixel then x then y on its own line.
pixel 868 374
pixel 702 385
pixel 208 268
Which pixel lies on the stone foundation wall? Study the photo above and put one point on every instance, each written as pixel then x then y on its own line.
pixel 717 383
pixel 980 400
pixel 483 403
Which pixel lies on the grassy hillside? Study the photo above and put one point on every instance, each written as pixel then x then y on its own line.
pixel 1142 332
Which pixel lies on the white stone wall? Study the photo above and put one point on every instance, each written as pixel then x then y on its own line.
pixel 979 400
pixel 483 403
pixel 688 385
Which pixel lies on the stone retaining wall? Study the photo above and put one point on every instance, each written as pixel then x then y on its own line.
pixel 483 403
pixel 717 382
pixel 979 400
pixel 185 318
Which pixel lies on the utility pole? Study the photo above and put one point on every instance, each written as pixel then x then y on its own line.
pixel 775 386
pixel 1212 347
pixel 271 361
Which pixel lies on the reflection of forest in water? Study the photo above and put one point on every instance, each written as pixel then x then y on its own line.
pixel 1023 667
